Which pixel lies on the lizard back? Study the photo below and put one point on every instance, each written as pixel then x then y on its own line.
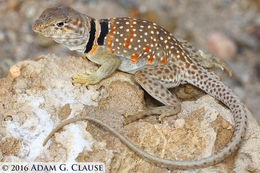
pixel 136 42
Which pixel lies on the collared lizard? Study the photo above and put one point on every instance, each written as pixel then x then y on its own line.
pixel 154 56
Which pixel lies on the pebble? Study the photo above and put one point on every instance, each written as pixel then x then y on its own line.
pixel 14 71
pixel 221 45
pixel 179 123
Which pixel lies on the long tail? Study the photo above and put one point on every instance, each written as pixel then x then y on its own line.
pixel 209 82
pixel 212 86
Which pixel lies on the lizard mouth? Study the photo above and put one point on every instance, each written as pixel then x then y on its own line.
pixel 54 35
pixel 62 37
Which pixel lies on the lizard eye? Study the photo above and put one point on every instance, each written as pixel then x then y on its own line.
pixel 60 24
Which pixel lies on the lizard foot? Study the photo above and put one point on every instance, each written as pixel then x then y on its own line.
pixel 87 79
pixel 210 61
pixel 164 115
pixel 162 111
pixel 132 116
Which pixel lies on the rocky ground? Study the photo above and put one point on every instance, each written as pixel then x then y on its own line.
pixel 38 95
pixel 228 29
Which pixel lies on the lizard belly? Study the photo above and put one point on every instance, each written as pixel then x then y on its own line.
pixel 128 66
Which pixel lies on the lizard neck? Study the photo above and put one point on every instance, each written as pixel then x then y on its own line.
pixel 80 43
pixel 98 30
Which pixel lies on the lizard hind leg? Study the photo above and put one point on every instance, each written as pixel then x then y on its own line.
pixel 155 82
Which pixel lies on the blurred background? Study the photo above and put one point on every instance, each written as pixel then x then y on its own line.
pixel 228 29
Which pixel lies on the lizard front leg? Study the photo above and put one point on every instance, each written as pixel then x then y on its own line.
pixel 109 64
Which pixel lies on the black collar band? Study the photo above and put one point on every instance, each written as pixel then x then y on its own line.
pixel 92 33
pixel 104 31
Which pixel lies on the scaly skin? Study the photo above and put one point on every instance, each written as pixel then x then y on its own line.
pixel 156 58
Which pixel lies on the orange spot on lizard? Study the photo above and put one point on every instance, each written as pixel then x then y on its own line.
pixel 134 58
pixel 76 22
pixel 150 60
pixel 164 60
pixel 127 42
pixel 146 48
pixel 110 36
pixel 95 41
pixel 131 33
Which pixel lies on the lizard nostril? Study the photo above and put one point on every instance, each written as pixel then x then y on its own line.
pixel 37 26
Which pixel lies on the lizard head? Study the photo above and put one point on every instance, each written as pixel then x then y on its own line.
pixel 64 25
